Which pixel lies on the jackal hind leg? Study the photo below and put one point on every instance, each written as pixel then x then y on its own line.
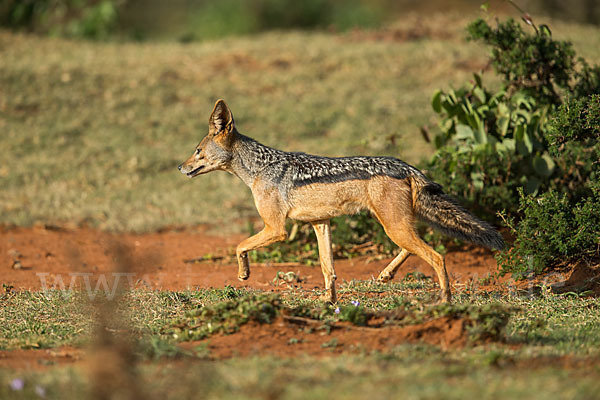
pixel 407 238
pixel 390 271
pixel 323 231
pixel 391 202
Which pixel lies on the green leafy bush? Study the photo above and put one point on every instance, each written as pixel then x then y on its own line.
pixel 535 64
pixel 562 226
pixel 530 148
pixel 578 121
pixel 492 143
pixel 553 232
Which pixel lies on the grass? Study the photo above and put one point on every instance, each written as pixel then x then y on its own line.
pixel 356 377
pixel 531 364
pixel 92 133
pixel 548 324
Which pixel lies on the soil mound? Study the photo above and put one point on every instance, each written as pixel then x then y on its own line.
pixel 292 338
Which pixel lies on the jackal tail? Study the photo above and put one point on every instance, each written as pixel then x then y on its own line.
pixel 443 213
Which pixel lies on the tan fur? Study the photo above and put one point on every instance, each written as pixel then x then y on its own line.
pixel 392 205
pixel 327 200
pixel 390 200
pixel 393 201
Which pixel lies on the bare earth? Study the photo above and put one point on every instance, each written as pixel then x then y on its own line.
pixel 165 260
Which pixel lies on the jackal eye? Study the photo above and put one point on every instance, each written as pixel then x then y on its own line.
pixel 197 151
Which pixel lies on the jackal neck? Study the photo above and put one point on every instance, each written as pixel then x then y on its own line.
pixel 250 158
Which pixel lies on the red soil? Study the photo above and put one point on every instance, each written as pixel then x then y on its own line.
pixel 31 256
pixel 28 359
pixel 284 338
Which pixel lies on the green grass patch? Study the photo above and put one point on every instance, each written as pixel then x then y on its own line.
pixel 543 334
pixel 546 324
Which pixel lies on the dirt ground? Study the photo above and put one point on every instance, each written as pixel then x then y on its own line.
pixel 46 257
pixel 38 258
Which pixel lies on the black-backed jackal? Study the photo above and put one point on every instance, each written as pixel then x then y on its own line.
pixel 314 189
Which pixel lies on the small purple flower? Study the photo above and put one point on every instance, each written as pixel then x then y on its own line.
pixel 40 391
pixel 337 310
pixel 355 303
pixel 17 384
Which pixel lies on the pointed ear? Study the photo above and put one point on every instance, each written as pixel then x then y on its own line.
pixel 221 119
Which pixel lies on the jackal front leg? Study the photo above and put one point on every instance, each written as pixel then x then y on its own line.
pixel 323 231
pixel 390 271
pixel 263 238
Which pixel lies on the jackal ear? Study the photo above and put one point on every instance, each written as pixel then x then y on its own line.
pixel 221 118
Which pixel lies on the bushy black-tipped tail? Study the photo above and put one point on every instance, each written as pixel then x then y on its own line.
pixel 443 213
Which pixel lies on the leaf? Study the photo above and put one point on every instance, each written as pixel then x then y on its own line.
pixel 502 124
pixel 451 108
pixel 477 179
pixel 473 120
pixel 525 115
pixel 519 131
pixel 477 78
pixel 503 110
pixel 532 185
pixel 436 101
pixel 543 165
pixel 452 96
pixel 545 31
pixel 469 106
pixel 523 141
pixel 464 132
pixel 480 136
pixel 480 94
pixel 509 144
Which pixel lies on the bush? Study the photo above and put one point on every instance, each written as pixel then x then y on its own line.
pixel 561 227
pixel 492 143
pixel 530 148
pixel 553 232
pixel 536 64
pixel 577 121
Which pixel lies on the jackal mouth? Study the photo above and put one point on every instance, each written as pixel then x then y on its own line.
pixel 195 172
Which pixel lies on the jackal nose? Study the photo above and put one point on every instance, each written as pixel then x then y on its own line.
pixel 180 165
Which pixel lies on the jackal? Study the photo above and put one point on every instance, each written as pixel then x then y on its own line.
pixel 314 189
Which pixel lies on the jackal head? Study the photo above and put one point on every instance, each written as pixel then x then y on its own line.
pixel 214 151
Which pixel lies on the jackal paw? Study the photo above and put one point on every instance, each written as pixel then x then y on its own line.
pixel 244 276
pixel 384 277
pixel 445 297
pixel 328 298
pixel 243 267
